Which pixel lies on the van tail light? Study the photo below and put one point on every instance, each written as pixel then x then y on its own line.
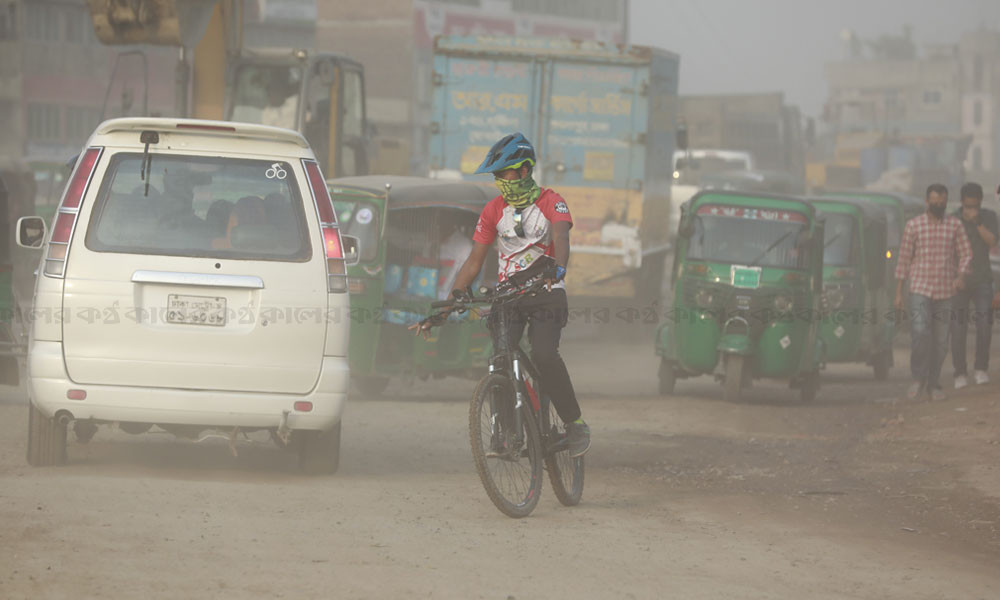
pixel 69 209
pixel 336 267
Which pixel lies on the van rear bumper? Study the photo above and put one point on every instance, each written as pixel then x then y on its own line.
pixel 48 383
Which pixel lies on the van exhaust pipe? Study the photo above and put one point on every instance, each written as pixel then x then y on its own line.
pixel 63 418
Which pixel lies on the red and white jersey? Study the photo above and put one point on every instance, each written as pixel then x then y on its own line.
pixel 496 223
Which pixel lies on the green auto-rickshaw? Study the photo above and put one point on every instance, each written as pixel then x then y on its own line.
pixel 899 208
pixel 747 278
pixel 413 233
pixel 857 307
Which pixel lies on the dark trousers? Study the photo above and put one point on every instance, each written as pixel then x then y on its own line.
pixel 981 297
pixel 544 315
pixel 930 322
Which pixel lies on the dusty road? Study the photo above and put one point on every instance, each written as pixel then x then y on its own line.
pixel 851 497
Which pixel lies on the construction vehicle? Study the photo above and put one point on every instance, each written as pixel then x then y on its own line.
pixel 321 95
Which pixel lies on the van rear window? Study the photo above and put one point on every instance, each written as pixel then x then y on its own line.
pixel 200 206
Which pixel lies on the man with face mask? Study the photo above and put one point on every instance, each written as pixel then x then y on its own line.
pixel 530 226
pixel 981 229
pixel 933 245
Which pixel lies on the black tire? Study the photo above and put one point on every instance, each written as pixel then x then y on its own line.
pixel 668 377
pixel 565 473
pixel 733 386
pixel 513 480
pixel 809 387
pixel 881 364
pixel 319 451
pixel 46 439
pixel 372 385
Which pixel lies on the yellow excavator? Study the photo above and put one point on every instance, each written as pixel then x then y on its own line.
pixel 321 95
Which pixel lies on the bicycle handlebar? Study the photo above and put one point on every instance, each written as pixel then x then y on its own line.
pixel 507 292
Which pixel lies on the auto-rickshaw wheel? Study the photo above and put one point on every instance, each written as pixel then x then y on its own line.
pixel 371 385
pixel 733 384
pixel 880 364
pixel 668 377
pixel 809 387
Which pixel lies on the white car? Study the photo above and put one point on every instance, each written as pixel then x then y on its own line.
pixel 194 278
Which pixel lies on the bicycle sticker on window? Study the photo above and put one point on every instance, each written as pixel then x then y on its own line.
pixel 276 172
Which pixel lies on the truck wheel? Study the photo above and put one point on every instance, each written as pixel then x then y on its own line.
pixel 881 363
pixel 46 439
pixel 733 385
pixel 372 385
pixel 809 387
pixel 319 451
pixel 667 377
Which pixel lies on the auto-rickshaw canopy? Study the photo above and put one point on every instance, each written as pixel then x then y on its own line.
pixel 417 192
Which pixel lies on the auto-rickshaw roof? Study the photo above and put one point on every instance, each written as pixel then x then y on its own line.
pixel 415 192
pixel 905 201
pixel 750 198
pixel 870 211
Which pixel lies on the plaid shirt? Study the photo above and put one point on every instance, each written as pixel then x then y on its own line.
pixel 928 253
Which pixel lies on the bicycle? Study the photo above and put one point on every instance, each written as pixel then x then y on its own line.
pixel 513 425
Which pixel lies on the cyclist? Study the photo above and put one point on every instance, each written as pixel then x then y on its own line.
pixel 530 223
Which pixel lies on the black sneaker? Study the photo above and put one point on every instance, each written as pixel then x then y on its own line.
pixel 578 439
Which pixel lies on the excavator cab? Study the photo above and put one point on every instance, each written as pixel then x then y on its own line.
pixel 320 95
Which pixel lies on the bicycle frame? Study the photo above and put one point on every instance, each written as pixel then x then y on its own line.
pixel 526 395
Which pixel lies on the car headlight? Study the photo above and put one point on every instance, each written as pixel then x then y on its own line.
pixel 782 303
pixel 833 298
pixel 704 298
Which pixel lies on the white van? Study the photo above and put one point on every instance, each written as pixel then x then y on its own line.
pixel 194 278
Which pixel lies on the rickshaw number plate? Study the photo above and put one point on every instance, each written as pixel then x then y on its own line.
pixel 196 310
pixel 744 277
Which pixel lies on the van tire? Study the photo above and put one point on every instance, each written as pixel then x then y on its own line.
pixel 319 451
pixel 46 439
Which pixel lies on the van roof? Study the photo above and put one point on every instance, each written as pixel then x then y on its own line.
pixel 200 127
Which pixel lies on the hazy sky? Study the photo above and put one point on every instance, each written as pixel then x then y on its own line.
pixel 781 45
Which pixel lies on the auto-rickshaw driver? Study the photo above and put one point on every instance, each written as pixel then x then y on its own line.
pixel 529 223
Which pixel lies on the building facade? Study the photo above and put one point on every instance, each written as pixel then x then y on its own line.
pixel 394 39
pixel 979 55
pixel 951 91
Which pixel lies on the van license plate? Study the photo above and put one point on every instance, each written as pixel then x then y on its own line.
pixel 196 310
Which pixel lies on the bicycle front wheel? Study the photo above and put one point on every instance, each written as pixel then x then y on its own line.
pixel 565 473
pixel 508 457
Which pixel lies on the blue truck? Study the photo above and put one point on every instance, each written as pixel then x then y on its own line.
pixel 602 119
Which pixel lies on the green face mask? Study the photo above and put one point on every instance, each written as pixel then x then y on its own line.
pixel 519 192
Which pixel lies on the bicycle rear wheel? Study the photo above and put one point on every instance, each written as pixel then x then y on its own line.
pixel 508 459
pixel 565 473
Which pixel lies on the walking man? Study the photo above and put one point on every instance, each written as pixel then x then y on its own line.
pixel 933 244
pixel 981 228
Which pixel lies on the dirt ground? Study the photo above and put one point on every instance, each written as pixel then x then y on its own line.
pixel 857 495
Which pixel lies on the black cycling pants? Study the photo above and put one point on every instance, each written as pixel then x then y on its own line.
pixel 545 315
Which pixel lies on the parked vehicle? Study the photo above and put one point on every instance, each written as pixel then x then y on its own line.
pixel 693 165
pixel 192 280
pixel 747 279
pixel 857 306
pixel 601 118
pixel 414 234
